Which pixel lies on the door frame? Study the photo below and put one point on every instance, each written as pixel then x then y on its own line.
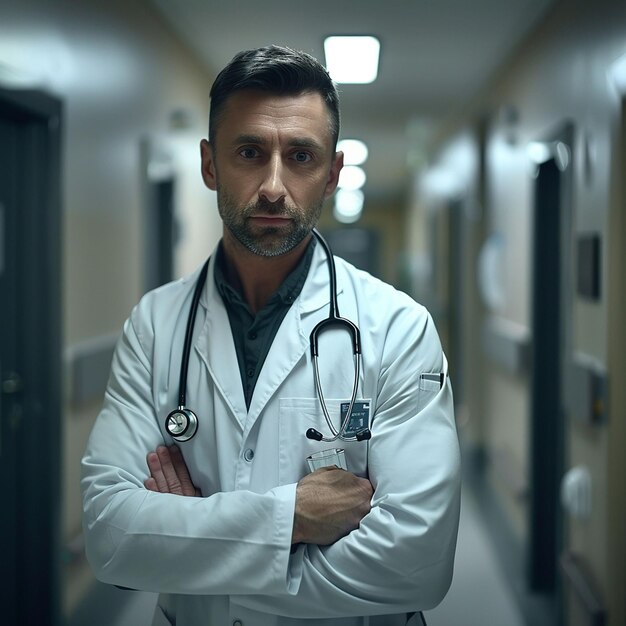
pixel 38 446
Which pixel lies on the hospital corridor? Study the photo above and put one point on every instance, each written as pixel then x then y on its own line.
pixel 479 171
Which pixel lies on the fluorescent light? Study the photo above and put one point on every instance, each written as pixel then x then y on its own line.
pixel 352 59
pixel 354 151
pixel 351 177
pixel 617 73
pixel 348 205
pixel 538 152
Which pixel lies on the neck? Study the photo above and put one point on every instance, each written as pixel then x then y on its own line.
pixel 258 277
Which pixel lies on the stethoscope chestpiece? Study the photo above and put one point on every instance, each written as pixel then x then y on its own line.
pixel 181 424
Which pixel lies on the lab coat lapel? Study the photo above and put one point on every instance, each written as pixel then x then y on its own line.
pixel 216 348
pixel 292 338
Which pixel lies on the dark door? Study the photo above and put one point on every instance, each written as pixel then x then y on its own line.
pixel 30 363
pixel 551 331
pixel 161 233
pixel 546 466
pixel 10 400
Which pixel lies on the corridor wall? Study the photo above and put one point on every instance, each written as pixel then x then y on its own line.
pixel 125 82
pixel 568 73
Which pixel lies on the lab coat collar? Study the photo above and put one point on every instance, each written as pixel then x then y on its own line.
pixel 315 292
pixel 292 340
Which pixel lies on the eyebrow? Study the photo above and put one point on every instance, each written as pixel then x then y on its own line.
pixel 297 142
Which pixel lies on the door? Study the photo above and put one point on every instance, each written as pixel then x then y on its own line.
pixel 160 223
pixel 30 363
pixel 10 400
pixel 551 331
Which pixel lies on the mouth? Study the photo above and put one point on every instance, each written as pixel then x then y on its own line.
pixel 270 220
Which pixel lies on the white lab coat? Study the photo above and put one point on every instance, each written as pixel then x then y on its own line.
pixel 226 556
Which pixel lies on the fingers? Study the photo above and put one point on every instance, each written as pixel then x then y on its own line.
pixel 168 472
pixel 330 503
pixel 156 472
pixel 182 472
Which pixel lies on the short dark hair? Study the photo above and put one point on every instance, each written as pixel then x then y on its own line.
pixel 275 69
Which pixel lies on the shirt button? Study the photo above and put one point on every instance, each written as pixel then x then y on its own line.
pixel 248 455
pixel 237 622
pixel 250 373
pixel 251 335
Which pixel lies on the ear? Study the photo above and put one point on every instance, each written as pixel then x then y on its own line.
pixel 207 166
pixel 333 175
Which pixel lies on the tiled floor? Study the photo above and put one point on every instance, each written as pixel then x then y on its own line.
pixel 478 596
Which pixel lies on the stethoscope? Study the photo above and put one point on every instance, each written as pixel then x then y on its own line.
pixel 182 423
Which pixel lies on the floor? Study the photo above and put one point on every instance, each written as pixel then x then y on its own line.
pixel 478 596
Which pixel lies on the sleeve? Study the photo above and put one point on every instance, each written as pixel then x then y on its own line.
pixel 401 556
pixel 162 542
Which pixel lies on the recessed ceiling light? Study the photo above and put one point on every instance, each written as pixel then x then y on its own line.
pixel 352 59
pixel 351 177
pixel 348 205
pixel 354 151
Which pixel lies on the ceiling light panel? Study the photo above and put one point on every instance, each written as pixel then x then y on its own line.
pixel 354 151
pixel 351 177
pixel 352 58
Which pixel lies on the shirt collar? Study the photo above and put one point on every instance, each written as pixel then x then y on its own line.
pixel 286 294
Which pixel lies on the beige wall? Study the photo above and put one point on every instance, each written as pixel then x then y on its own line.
pixel 120 74
pixel 561 73
pixel 387 218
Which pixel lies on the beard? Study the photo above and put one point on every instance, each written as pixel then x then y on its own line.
pixel 267 241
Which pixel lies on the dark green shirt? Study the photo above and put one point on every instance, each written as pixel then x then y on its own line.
pixel 253 334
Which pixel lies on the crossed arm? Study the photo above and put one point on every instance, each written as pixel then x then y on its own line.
pixel 330 502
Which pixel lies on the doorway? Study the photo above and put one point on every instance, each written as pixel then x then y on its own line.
pixel 551 331
pixel 30 357
pixel 160 222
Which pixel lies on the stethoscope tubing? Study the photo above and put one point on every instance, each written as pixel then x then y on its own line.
pixel 191 321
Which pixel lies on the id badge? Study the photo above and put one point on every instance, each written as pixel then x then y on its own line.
pixel 359 419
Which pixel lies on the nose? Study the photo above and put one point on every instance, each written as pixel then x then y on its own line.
pixel 272 186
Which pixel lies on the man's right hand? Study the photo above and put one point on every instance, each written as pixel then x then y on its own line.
pixel 330 503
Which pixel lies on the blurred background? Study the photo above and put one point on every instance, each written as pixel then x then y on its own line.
pixel 492 192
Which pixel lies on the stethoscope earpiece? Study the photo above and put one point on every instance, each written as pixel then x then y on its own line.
pixel 313 434
pixel 364 435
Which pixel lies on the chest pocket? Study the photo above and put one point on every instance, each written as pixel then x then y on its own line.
pixel 297 415
pixel 428 389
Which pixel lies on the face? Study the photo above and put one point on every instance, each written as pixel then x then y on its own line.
pixel 272 165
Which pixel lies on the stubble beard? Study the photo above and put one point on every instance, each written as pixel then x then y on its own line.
pixel 268 241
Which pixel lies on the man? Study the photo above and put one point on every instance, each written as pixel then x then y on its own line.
pixel 229 527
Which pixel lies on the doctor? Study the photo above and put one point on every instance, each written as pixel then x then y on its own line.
pixel 229 527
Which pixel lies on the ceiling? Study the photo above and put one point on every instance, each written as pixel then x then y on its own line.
pixel 435 56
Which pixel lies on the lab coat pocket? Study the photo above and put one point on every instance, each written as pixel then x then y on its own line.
pixel 296 416
pixel 428 389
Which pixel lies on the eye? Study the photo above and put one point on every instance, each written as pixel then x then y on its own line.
pixel 302 157
pixel 249 153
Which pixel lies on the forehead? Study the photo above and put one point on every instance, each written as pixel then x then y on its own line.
pixel 260 113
